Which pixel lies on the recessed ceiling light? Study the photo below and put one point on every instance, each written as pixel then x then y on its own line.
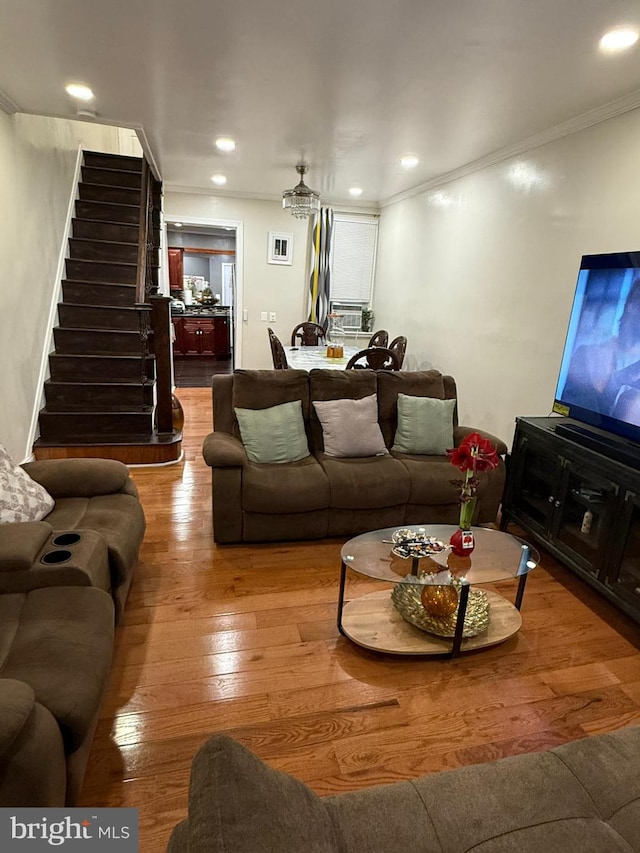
pixel 178 224
pixel 219 180
pixel 410 161
pixel 79 91
pixel 355 191
pixel 620 38
pixel 224 143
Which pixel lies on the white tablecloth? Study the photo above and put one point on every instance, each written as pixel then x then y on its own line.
pixel 308 358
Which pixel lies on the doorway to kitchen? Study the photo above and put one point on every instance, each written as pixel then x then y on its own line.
pixel 204 276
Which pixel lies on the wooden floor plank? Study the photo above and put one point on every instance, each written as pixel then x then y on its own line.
pixel 243 640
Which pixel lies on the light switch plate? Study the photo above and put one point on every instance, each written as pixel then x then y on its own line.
pixel 263 316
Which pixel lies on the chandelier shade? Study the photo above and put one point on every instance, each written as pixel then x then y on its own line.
pixel 301 201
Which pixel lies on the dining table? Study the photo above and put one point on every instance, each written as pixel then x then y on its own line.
pixel 309 358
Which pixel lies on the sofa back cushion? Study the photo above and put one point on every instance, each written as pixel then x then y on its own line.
pixel 336 385
pixel 413 383
pixel 262 389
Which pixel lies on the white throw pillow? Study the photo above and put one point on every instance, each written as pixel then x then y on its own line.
pixel 350 427
pixel 21 498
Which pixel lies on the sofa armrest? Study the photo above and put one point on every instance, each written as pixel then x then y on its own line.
pixel 459 433
pixel 221 450
pixel 20 543
pixel 79 478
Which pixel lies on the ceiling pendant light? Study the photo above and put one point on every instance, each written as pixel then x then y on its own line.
pixel 301 201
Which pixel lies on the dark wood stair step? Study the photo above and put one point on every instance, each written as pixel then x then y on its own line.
pixel 102 250
pixel 104 271
pixel 96 342
pixel 112 161
pixel 72 425
pixel 109 317
pixel 117 195
pixel 155 449
pixel 105 396
pixel 108 211
pixel 90 229
pixel 111 177
pixel 99 368
pixel 98 293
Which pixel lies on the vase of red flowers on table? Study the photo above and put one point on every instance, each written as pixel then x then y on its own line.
pixel 473 455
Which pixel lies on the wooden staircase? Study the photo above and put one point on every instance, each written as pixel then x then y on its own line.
pixel 101 394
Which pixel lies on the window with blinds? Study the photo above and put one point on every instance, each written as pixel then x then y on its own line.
pixel 353 259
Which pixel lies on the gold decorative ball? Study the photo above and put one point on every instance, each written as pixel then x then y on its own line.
pixel 439 600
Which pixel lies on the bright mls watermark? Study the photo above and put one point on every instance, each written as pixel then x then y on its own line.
pixel 103 830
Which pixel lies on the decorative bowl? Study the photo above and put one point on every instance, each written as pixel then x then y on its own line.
pixel 407 599
pixel 415 543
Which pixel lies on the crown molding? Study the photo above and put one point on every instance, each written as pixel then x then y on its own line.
pixel 573 125
pixel 7 105
pixel 363 207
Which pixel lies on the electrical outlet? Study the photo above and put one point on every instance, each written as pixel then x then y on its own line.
pixel 272 316
pixel 263 316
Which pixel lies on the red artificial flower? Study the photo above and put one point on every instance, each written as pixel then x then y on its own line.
pixel 473 455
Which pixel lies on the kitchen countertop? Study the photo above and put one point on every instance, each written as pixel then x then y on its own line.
pixel 202 312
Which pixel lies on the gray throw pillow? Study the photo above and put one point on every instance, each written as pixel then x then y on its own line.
pixel 276 434
pixel 425 425
pixel 350 427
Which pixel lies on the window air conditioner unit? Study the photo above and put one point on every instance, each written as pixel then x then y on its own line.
pixel 351 313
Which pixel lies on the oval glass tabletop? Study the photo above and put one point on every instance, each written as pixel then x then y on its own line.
pixel 497 556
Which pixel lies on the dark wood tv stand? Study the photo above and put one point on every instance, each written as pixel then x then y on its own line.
pixel 581 504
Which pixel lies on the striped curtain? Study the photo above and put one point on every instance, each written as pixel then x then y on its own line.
pixel 320 278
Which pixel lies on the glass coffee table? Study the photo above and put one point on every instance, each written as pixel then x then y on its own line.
pixel 394 621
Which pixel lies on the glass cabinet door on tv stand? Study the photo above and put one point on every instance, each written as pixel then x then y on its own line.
pixel 624 578
pixel 583 507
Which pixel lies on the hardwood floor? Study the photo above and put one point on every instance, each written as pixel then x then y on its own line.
pixel 242 639
pixel 197 372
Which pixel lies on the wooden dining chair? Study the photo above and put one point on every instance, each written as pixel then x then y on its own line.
pixel 379 339
pixel 374 358
pixel 308 335
pixel 277 351
pixel 399 345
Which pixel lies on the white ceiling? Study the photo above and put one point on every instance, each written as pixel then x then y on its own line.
pixel 348 85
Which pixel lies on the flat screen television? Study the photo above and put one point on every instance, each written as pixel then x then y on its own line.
pixel 599 379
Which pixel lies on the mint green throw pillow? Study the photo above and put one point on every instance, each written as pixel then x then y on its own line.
pixel 425 425
pixel 274 435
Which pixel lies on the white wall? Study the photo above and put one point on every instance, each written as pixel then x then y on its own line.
pixel 37 164
pixel 480 274
pixel 266 287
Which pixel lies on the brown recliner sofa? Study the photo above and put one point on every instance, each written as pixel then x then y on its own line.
pixel 55 653
pixel 581 797
pixel 63 582
pixel 95 499
pixel 320 495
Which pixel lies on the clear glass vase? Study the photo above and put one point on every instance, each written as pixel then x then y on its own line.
pixel 467 510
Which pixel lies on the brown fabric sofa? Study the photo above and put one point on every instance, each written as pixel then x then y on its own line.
pixel 55 653
pixel 322 496
pixel 94 497
pixel 582 797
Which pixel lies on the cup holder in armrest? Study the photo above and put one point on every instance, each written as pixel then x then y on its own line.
pixel 55 557
pixel 66 539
